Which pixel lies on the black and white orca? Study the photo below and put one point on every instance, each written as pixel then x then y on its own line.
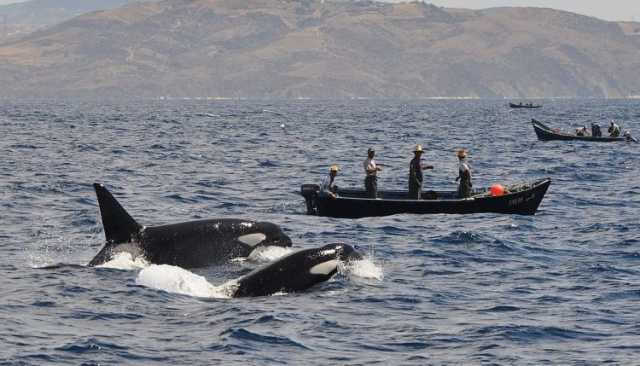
pixel 188 245
pixel 296 272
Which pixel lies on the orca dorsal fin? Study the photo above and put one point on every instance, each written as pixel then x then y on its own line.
pixel 119 226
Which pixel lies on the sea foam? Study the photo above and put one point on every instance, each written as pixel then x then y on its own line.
pixel 178 280
pixel 125 261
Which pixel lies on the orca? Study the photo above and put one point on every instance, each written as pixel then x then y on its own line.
pixel 295 272
pixel 189 244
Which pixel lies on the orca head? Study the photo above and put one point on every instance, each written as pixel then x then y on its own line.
pixel 327 258
pixel 343 252
pixel 264 234
pixel 297 271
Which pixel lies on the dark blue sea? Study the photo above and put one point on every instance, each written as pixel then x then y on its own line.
pixel 558 288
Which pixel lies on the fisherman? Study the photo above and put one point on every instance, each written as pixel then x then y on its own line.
pixel 415 173
pixel 614 129
pixel 595 130
pixel 464 175
pixel 371 170
pixel 582 131
pixel 328 187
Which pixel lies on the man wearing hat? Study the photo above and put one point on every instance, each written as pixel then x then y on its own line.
pixel 464 175
pixel 328 187
pixel 415 173
pixel 371 170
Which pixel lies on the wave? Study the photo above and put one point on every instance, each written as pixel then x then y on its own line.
pixel 252 336
pixel 461 237
pixel 529 333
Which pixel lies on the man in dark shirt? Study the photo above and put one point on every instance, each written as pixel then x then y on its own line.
pixel 415 173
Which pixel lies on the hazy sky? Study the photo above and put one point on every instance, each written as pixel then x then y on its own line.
pixel 605 9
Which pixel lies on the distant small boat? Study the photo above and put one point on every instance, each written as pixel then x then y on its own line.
pixel 531 106
pixel 545 133
pixel 521 199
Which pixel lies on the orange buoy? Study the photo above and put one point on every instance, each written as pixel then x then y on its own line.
pixel 497 190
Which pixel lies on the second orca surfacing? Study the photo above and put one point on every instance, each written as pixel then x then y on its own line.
pixel 297 271
pixel 189 245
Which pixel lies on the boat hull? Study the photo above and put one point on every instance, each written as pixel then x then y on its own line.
pixel 352 204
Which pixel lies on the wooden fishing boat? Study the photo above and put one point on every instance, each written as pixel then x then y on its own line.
pixel 522 199
pixel 530 106
pixel 545 133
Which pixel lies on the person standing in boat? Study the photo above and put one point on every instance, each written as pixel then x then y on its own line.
pixel 371 170
pixel 464 175
pixel 415 173
pixel 614 129
pixel 328 187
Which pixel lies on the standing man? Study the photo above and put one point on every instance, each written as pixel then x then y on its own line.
pixel 415 173
pixel 464 175
pixel 371 170
pixel 328 186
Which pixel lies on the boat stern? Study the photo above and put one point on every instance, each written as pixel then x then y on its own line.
pixel 310 194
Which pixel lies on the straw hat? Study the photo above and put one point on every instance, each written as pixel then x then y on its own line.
pixel 334 169
pixel 418 148
pixel 462 153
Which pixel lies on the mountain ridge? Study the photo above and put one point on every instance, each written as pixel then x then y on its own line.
pixel 322 49
pixel 21 18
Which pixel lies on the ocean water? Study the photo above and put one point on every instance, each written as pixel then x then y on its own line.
pixel 561 287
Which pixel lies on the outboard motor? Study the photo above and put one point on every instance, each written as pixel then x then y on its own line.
pixel 310 194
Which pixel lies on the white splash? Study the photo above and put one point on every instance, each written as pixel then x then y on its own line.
pixel 125 261
pixel 265 254
pixel 39 260
pixel 177 280
pixel 365 268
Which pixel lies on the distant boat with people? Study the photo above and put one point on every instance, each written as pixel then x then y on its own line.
pixel 546 133
pixel 526 105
